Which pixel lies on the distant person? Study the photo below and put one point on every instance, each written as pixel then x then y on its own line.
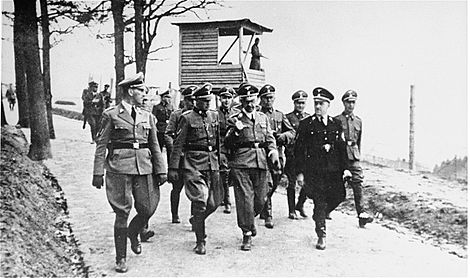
pixel 11 97
pixel 127 149
pixel 352 128
pixel 255 56
pixel 299 98
pixel 88 95
pixel 162 112
pixel 226 110
pixel 106 95
pixel 198 139
pixel 320 155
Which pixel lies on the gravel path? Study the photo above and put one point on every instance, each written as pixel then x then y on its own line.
pixel 286 250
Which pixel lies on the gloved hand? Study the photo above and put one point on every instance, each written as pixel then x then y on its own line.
pixel 160 178
pixel 97 181
pixel 274 156
pixel 172 175
pixel 280 138
pixel 239 125
pixel 347 175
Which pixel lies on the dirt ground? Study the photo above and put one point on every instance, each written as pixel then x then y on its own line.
pixel 286 250
pixel 384 248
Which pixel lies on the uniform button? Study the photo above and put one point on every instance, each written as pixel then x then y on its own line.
pixel 326 138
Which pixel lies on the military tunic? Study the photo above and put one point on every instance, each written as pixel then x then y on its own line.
pixel 162 113
pixel 170 135
pixel 224 115
pixel 320 154
pixel 284 134
pixel 294 118
pixel 196 151
pixel 352 128
pixel 249 149
pixel 128 151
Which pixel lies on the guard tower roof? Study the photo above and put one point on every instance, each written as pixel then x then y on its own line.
pixel 229 27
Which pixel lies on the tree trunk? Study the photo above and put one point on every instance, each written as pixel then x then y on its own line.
pixel 117 7
pixel 138 36
pixel 20 72
pixel 46 65
pixel 4 118
pixel 40 148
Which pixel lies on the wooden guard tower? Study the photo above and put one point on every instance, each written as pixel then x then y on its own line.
pixel 199 60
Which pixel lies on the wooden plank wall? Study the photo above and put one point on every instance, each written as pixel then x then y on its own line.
pixel 198 47
pixel 218 76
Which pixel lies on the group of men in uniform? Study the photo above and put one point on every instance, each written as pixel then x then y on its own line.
pixel 94 103
pixel 248 147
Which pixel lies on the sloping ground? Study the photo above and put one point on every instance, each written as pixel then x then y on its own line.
pixel 36 236
pixel 432 208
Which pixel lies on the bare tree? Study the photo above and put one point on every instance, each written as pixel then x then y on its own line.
pixel 26 18
pixel 149 14
pixel 117 8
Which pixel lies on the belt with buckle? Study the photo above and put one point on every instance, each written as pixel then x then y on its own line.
pixel 135 145
pixel 253 145
pixel 201 148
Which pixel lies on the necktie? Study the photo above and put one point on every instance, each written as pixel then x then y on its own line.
pixel 133 114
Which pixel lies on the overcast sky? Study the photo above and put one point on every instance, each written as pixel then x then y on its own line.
pixel 376 48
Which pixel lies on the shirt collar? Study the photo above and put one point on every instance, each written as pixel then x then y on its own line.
pixel 127 106
pixel 351 115
pixel 269 110
pixel 250 116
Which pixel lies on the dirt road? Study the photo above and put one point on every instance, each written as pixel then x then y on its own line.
pixel 286 250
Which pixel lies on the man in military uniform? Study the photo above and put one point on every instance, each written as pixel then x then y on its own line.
pixel 198 139
pixel 225 110
pixel 251 142
pixel 170 135
pixel 294 117
pixel 352 128
pixel 106 95
pixel 320 155
pixel 162 112
pixel 88 95
pixel 134 165
pixel 284 134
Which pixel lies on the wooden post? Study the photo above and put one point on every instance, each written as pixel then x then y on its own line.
pixel 240 44
pixel 412 130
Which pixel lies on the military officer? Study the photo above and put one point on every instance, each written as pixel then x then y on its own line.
pixel 320 155
pixel 251 142
pixel 352 128
pixel 127 148
pixel 89 111
pixel 196 151
pixel 170 134
pixel 162 112
pixel 284 134
pixel 299 98
pixel 225 110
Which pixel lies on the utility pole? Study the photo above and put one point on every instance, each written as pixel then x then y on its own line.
pixel 411 159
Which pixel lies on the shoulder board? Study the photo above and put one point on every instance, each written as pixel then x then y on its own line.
pixel 357 117
pixel 278 111
pixel 186 112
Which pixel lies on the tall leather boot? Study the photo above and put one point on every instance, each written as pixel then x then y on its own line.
pixel 320 229
pixel 267 214
pixel 200 231
pixel 300 203
pixel 174 200
pixel 291 203
pixel 135 226
pixel 120 243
